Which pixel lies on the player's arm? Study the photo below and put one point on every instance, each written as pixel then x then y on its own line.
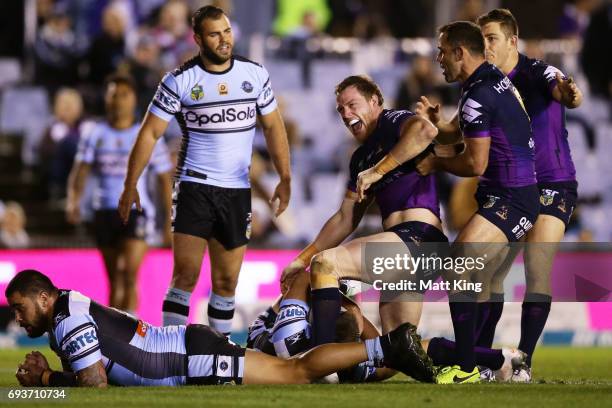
pixel 278 146
pixel 566 92
pixel 448 132
pixel 416 134
pixel 473 161
pixel 76 184
pixel 335 230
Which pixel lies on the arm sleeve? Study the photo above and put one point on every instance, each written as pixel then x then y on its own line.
pixel 160 160
pixel 546 75
pixel 77 338
pixel 266 102
pixel 476 113
pixel 166 101
pixel 87 146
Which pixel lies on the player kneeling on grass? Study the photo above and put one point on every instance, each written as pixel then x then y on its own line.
pixel 284 330
pixel 99 345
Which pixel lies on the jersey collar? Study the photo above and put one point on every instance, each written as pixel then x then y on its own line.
pixel 201 64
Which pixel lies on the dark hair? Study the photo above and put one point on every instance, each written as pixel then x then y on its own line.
pixel 202 13
pixel 365 85
pixel 504 17
pixel 29 282
pixel 466 34
pixel 347 329
pixel 120 79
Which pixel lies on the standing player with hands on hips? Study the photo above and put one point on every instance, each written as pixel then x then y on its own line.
pixel 215 97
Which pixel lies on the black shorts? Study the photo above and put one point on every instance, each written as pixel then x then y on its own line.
pixel 558 199
pixel 207 211
pixel 109 230
pixel 211 358
pixel 423 240
pixel 511 209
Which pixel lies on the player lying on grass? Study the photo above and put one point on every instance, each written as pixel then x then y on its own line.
pixel 99 345
pixel 284 330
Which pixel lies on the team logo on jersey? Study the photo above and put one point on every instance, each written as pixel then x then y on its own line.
pixel 502 212
pixel 222 88
pixel 249 218
pixel 59 317
pixel 562 206
pixel 223 366
pixel 197 92
pixel 247 87
pixel 547 196
pixel 490 202
pixel 142 328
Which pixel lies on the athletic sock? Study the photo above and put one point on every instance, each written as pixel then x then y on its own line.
pixel 463 308
pixel 325 311
pixel 175 309
pixel 442 352
pixel 221 313
pixel 536 308
pixel 490 318
pixel 375 352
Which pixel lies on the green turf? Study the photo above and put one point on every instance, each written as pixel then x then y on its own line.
pixel 566 377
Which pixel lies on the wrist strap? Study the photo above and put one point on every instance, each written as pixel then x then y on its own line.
pixel 387 164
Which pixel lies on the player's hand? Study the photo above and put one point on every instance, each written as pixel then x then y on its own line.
pixel 73 212
pixel 128 197
pixel 570 94
pixel 426 165
pixel 425 109
pixel 30 371
pixel 364 180
pixel 290 273
pixel 282 193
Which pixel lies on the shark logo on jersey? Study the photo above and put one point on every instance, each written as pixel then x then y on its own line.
pixel 247 87
pixel 470 110
pixel 197 92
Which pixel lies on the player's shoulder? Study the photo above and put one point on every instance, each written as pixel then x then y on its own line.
pixel 69 303
pixel 186 66
pixel 239 59
pixel 252 68
pixel 395 116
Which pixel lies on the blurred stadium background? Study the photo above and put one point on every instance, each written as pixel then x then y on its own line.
pixel 55 54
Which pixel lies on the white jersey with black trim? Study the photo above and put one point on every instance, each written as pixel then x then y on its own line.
pixel 217 112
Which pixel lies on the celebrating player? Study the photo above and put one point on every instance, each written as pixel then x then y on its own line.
pixel 546 93
pixel 105 153
pixel 499 149
pixel 408 203
pixel 216 98
pixel 99 345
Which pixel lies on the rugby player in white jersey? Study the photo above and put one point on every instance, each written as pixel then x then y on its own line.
pixel 104 153
pixel 216 98
pixel 99 345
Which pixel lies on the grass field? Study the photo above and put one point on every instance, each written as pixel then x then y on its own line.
pixel 565 377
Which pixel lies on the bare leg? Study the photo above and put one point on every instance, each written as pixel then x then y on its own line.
pixel 110 255
pixel 132 252
pixel 392 314
pixel 260 368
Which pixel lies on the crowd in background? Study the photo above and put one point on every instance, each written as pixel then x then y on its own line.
pixel 79 43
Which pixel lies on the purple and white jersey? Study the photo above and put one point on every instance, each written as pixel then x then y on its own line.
pixel 491 106
pixel 217 112
pixel 402 188
pixel 535 81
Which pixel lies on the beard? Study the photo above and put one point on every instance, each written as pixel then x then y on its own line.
pixel 38 326
pixel 212 56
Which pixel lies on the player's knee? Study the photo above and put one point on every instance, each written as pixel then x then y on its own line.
pixel 224 285
pixel 185 278
pixel 323 270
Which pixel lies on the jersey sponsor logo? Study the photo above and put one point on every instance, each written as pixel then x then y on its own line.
pixel 547 196
pixel 469 110
pixel 503 85
pixel 550 73
pixel 166 100
pixel 522 227
pixel 222 117
pixel 247 87
pixel 197 92
pixel 81 341
pixel 222 88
